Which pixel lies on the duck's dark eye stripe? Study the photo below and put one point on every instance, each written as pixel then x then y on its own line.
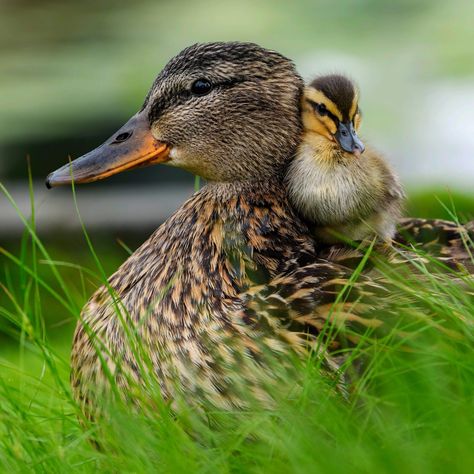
pixel 317 107
pixel 183 95
pixel 204 86
pixel 333 117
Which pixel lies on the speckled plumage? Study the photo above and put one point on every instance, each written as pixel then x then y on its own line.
pixel 205 303
pixel 234 276
pixel 447 241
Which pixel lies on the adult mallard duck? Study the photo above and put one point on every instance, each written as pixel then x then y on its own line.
pixel 230 113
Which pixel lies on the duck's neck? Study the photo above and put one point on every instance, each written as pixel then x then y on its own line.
pixel 198 252
pixel 257 215
pixel 185 290
pixel 270 186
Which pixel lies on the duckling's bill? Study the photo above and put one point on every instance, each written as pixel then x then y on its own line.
pixel 347 138
pixel 130 147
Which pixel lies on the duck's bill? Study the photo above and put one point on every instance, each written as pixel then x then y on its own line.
pixel 348 139
pixel 130 147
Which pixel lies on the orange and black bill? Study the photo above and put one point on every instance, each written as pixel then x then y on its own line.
pixel 131 147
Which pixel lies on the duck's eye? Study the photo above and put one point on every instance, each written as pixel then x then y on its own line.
pixel 321 108
pixel 201 87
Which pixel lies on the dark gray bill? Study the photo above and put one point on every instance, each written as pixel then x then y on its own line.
pixel 348 139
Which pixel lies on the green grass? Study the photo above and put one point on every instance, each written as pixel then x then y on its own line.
pixel 439 204
pixel 411 411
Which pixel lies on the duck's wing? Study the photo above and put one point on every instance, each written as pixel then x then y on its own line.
pixel 349 295
pixel 319 299
pixel 447 241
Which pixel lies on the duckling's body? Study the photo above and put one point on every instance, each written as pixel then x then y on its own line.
pixel 342 192
pixel 343 195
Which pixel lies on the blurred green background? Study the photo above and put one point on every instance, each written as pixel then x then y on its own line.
pixel 72 72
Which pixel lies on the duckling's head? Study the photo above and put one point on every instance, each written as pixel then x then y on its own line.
pixel 331 114
pixel 223 111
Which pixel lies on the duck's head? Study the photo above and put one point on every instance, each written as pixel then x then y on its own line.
pixel 330 110
pixel 223 111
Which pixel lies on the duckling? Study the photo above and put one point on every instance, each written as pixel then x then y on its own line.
pixel 343 189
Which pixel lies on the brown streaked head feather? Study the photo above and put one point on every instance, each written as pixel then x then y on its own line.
pixel 245 126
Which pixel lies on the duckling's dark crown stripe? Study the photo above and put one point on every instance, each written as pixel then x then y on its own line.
pixel 339 89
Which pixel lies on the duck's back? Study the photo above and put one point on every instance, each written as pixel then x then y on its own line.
pixel 231 278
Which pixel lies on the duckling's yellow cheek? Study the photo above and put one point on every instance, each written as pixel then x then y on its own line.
pixel 308 119
pixel 320 125
pixel 319 147
pixel 330 125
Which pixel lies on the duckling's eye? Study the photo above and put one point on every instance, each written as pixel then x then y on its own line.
pixel 201 87
pixel 321 108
